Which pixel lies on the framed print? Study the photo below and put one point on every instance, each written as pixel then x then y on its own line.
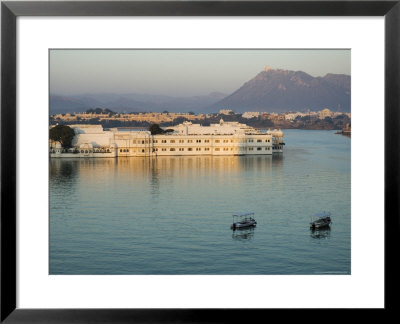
pixel 161 160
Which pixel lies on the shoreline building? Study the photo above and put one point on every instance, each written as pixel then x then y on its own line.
pixel 224 138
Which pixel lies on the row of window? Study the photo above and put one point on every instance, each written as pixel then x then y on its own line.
pixel 197 141
pixel 141 141
pixel 258 148
pixel 258 141
pixel 133 150
pixel 190 149
pixel 75 151
pixel 187 141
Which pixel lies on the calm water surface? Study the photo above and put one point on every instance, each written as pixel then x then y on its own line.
pixel 171 215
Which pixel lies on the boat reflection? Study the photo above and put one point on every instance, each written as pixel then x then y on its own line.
pixel 324 233
pixel 243 234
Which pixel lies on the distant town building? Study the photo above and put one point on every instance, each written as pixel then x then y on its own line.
pixel 226 112
pixel 251 114
pixel 324 113
pixel 293 116
pixel 267 68
pixel 276 117
pixel 139 117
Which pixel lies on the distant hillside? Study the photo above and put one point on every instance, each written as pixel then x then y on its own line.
pixel 281 90
pixel 132 102
pixel 272 90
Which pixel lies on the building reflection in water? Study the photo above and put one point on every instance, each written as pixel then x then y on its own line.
pixel 324 233
pixel 63 171
pixel 174 164
pixel 162 170
pixel 243 234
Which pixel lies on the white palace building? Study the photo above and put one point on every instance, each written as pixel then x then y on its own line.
pixel 225 138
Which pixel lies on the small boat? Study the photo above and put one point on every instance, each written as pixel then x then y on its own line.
pixel 243 220
pixel 320 220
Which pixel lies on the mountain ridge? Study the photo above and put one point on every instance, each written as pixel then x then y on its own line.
pixel 278 90
pixel 131 102
pixel 271 90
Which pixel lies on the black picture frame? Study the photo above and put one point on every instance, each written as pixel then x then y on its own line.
pixel 10 10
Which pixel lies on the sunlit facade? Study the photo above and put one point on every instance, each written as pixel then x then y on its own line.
pixel 224 138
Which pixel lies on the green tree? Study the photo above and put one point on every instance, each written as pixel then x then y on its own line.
pixel 63 134
pixel 156 129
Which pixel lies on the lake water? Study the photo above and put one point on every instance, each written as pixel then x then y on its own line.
pixel 172 215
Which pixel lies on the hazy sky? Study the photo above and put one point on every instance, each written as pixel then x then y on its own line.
pixel 179 72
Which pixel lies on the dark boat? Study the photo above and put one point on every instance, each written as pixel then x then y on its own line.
pixel 321 220
pixel 243 220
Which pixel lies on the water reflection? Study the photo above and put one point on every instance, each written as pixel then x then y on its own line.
pixel 243 234
pixel 179 165
pixel 156 174
pixel 62 171
pixel 155 178
pixel 277 160
pixel 324 233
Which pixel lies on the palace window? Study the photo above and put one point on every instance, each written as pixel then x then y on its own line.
pixel 259 141
pixel 198 149
pixel 217 148
pixel 225 149
pixel 198 141
pixel 250 149
pixel 163 141
pixel 155 141
pixel 216 141
pixel 164 149
pixel 181 149
pixel 225 141
pixel 206 149
pixel 172 141
pixel 190 149
pixel 172 149
pixel 259 148
pixel 181 141
pixel 134 142
pixel 190 141
pixel 206 141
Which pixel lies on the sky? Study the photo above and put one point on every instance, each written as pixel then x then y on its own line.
pixel 181 73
